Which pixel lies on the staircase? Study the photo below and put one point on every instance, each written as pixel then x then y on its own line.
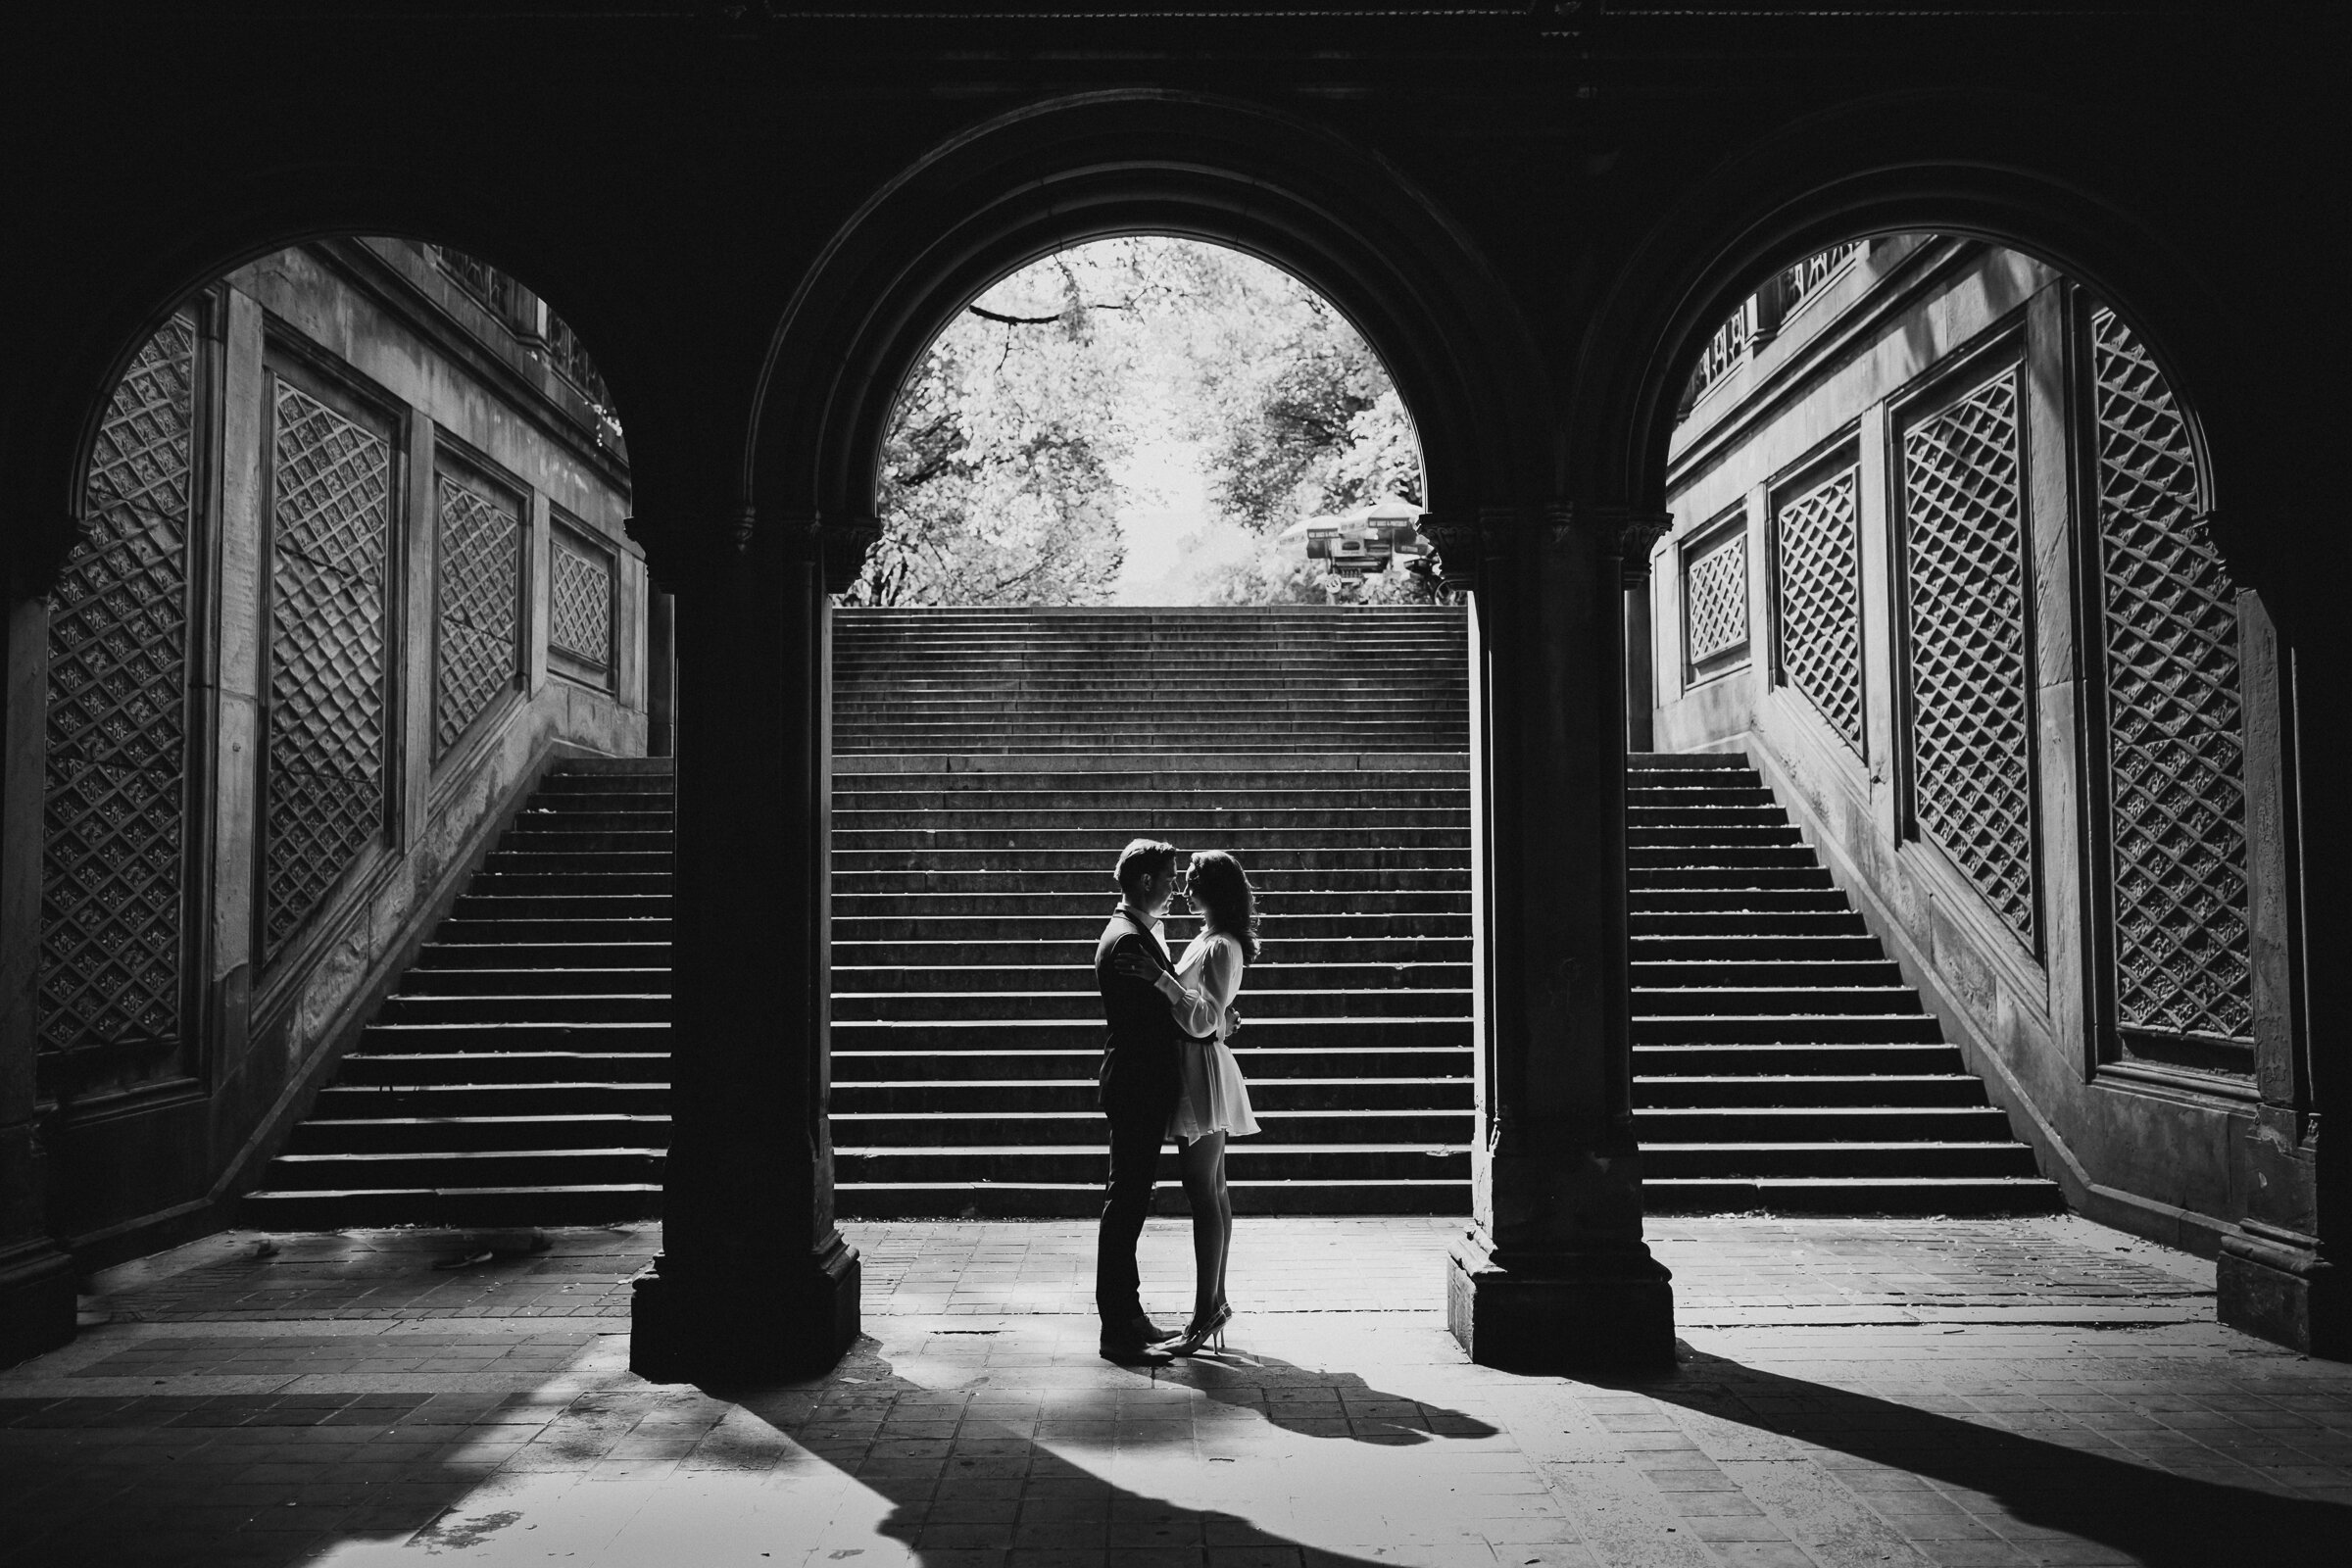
pixel 1780 1062
pixel 989 764
pixel 521 1076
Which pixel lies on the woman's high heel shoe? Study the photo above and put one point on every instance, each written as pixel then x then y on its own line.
pixel 1202 1330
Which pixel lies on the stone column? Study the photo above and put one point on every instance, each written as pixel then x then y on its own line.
pixel 1553 1273
pixel 754 1279
pixel 661 674
pixel 37 1279
pixel 1641 536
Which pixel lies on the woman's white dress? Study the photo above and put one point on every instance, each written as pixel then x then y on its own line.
pixel 1214 1097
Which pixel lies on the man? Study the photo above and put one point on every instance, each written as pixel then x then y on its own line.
pixel 1138 1082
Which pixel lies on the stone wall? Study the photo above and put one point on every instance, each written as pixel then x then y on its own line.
pixel 1901 579
pixel 353 572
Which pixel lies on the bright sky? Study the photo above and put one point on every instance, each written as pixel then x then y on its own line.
pixel 1168 530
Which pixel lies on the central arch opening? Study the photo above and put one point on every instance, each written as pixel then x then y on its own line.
pixel 1147 567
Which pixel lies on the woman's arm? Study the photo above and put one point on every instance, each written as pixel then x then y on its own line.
pixel 1197 992
pixel 1208 976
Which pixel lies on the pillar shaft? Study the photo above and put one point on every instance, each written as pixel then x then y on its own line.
pixel 754 1279
pixel 1553 1272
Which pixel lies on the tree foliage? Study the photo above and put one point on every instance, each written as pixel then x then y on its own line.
pixel 999 471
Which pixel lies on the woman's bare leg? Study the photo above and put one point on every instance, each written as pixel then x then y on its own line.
pixel 1203 1161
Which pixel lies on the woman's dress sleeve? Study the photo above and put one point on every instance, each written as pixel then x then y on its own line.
pixel 1211 974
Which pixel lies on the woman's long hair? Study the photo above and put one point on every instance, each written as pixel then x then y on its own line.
pixel 1220 890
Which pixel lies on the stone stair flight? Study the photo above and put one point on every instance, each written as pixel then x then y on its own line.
pixel 520 1075
pixel 989 764
pixel 1780 1061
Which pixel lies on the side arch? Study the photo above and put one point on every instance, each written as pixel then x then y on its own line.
pixel 1063 172
pixel 91 339
pixel 2019 174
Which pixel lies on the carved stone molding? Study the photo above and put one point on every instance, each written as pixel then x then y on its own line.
pixel 1637 534
pixel 842 544
pixel 1461 541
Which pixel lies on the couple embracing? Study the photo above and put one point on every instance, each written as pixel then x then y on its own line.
pixel 1169 1073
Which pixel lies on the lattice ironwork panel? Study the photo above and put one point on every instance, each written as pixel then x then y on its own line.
pixel 1817 577
pixel 325 781
pixel 579 605
pixel 1963 523
pixel 1716 600
pixel 113 861
pixel 2174 727
pixel 480 570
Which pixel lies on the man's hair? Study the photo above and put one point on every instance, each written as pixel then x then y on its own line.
pixel 1143 858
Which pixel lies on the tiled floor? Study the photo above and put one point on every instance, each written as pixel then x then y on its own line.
pixel 1851 1392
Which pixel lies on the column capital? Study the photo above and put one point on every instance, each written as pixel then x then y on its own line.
pixel 1637 535
pixel 1464 539
pixel 842 541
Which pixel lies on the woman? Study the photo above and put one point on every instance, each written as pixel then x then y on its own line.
pixel 1214 1104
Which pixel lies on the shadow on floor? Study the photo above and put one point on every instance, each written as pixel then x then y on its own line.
pixel 1081 1510
pixel 1321 1404
pixel 2160 1518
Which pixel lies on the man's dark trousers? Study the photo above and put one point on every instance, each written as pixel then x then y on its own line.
pixel 1140 1086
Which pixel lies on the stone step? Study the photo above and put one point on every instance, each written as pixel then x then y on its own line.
pixel 1906 1159
pixel 1081 1198
pixel 1266 977
pixel 452 1207
pixel 1246 1160
pixel 619 1164
pixel 470 951
pixel 1083 923
pixel 520 982
pixel 1257 1006
pixel 1078 1030
pixel 1048 821
pixel 1318 886
pixel 533 1071
pixel 1661 1063
pixel 1678 947
pixel 388 1130
pixel 1851 1195
pixel 1367 1056
pixel 575 1006
pixel 1005 1098
pixel 1737 1001
pixel 916 897
pixel 1685 974
pixel 1796 1028
pixel 1672 1126
pixel 1268 853
pixel 1671 1089
pixel 1078 952
pixel 1050 1131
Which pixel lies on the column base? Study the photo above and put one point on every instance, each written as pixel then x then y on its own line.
pixel 36 1301
pixel 1566 1313
pixel 692 1325
pixel 2279 1285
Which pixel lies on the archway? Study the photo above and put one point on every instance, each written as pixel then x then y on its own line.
pixel 751 1238
pixel 340 513
pixel 2155 631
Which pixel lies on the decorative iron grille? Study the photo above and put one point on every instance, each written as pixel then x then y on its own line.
pixel 481 573
pixel 579 605
pixel 1818 583
pixel 113 858
pixel 333 488
pixel 2176 801
pixel 1716 600
pixel 1964 545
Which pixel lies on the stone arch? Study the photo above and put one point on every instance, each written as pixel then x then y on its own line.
pixel 2014 172
pixel 214 231
pixel 1020 186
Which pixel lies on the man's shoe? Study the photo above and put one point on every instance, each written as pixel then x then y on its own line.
pixel 1127 1351
pixel 1151 1333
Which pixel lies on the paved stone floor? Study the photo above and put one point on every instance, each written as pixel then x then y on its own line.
pixel 1849 1392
